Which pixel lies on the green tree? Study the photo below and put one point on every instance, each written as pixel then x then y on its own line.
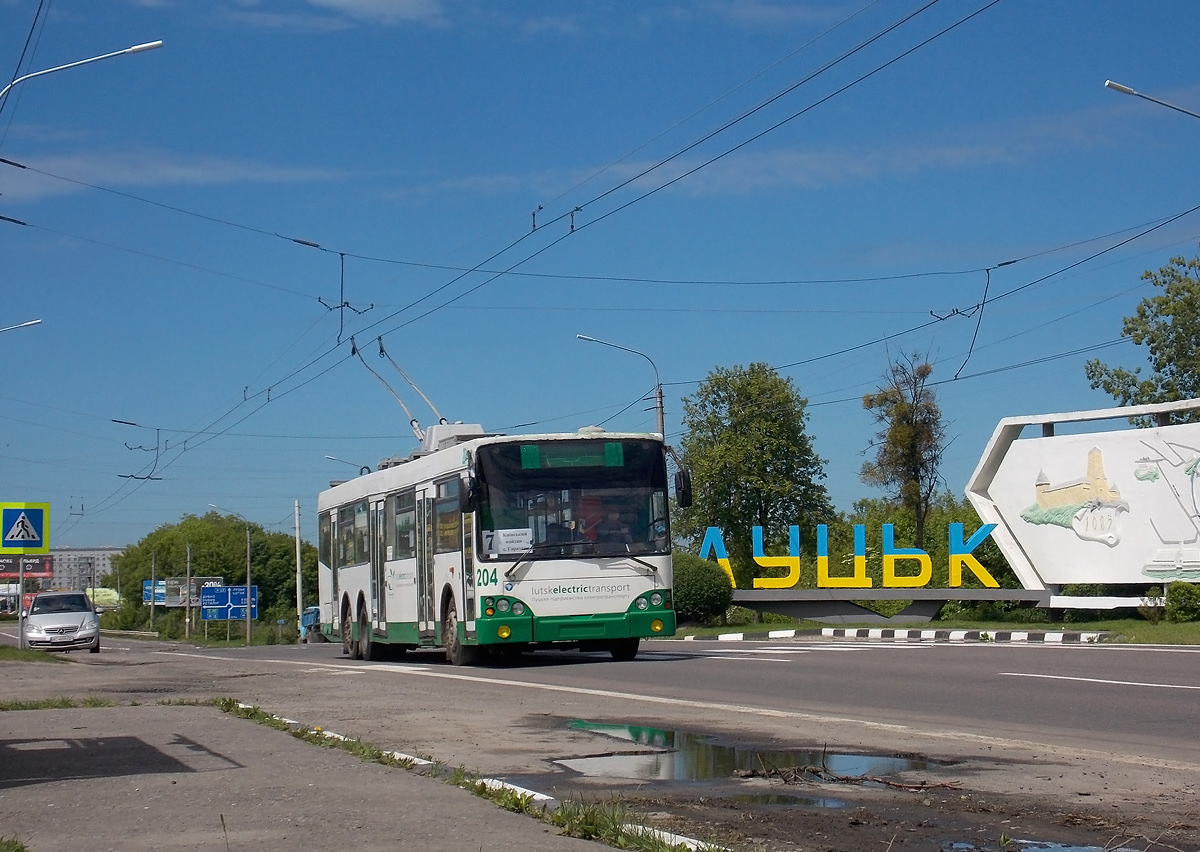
pixel 909 444
pixel 1168 325
pixel 752 463
pixel 218 545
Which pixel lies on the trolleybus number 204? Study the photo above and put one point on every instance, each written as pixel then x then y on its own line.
pixel 492 544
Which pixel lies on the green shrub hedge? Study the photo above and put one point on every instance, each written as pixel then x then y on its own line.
pixel 1183 602
pixel 702 589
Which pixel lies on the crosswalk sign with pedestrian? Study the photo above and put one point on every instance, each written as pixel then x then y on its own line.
pixel 23 527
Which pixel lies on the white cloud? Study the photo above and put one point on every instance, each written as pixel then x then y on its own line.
pixel 553 24
pixel 131 170
pixel 386 11
pixel 764 13
pixel 297 23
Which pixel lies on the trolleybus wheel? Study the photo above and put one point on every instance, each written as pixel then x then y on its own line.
pixel 347 637
pixel 624 650
pixel 457 653
pixel 368 648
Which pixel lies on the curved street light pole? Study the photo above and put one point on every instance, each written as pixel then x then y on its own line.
pixel 1125 90
pixel 137 48
pixel 21 325
pixel 658 391
pixel 249 600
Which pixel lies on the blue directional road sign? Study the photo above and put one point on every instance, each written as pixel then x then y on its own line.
pixel 160 591
pixel 227 603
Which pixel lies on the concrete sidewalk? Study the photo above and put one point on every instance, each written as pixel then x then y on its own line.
pixel 159 777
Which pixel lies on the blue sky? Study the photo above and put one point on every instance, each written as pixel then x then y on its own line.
pixel 413 138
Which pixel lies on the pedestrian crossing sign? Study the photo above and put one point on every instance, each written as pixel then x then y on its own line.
pixel 23 528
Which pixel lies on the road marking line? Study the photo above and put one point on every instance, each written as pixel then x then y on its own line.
pixel 1100 680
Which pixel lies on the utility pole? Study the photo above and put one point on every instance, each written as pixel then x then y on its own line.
pixel 187 621
pixel 153 589
pixel 299 586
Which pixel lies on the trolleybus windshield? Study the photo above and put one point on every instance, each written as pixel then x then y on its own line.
pixel 590 497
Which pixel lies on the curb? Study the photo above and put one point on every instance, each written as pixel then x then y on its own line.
pixel 1052 637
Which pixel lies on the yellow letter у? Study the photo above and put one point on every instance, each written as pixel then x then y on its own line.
pixel 790 562
pixel 892 554
pixel 960 555
pixel 859 580
pixel 714 541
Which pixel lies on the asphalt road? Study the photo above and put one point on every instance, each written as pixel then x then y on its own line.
pixel 1111 726
pixel 1121 697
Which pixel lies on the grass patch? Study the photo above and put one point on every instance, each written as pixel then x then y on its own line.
pixel 11 844
pixel 60 703
pixel 606 822
pixel 27 655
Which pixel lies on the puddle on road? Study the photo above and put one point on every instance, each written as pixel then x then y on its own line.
pixel 696 757
pixel 773 800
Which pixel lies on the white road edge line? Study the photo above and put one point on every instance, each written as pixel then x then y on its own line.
pixel 1100 680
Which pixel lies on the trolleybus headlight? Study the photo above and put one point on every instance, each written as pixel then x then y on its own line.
pixel 656 599
pixel 489 602
pixel 518 608
pixel 502 605
pixel 504 631
pixel 656 626
pixel 640 603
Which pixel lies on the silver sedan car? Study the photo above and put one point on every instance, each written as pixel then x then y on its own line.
pixel 62 621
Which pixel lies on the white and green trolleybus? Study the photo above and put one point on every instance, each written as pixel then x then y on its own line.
pixel 490 544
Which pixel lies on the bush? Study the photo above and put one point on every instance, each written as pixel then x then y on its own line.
pixel 702 588
pixel 1152 605
pixel 1183 602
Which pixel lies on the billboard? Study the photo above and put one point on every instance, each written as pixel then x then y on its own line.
pixel 38 567
pixel 1110 504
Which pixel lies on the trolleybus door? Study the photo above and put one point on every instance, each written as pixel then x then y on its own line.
pixel 378 588
pixel 427 615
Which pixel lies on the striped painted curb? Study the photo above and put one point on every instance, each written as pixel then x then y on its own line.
pixel 1056 637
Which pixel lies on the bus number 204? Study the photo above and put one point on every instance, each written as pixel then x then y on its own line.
pixel 485 577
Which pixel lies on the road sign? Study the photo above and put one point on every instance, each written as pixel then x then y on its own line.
pixel 160 592
pixel 23 528
pixel 227 603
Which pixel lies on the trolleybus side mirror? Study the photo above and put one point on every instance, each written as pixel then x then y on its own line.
pixel 683 489
pixel 466 496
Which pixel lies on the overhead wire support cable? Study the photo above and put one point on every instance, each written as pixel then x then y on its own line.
pixel 768 101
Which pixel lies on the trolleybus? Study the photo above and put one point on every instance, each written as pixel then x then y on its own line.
pixel 493 545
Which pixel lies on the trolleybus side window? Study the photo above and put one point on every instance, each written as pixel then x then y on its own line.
pixel 402 525
pixel 352 534
pixel 325 539
pixel 449 519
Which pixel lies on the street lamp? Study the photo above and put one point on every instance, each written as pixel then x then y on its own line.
pixel 1125 90
pixel 249 600
pixel 21 325
pixel 137 48
pixel 658 391
pixel 363 469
